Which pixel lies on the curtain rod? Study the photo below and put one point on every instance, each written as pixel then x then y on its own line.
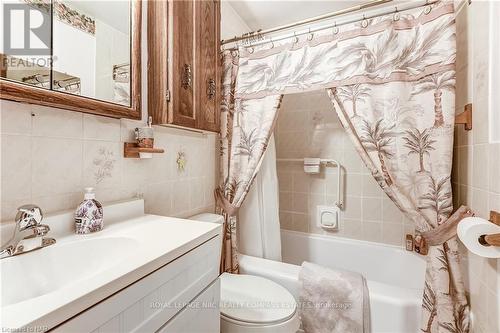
pixel 381 11
pixel 306 21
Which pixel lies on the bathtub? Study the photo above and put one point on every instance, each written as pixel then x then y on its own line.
pixel 395 277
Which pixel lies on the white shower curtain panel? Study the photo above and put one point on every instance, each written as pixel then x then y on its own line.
pixel 259 226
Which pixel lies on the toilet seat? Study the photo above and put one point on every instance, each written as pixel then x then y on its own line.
pixel 255 303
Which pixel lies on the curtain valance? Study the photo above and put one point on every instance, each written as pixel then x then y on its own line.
pixel 379 50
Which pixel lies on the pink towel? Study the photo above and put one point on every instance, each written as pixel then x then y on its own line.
pixel 333 301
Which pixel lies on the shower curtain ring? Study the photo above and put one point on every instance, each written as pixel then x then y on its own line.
pixel 272 43
pixel 364 23
pixel 296 38
pixel 396 14
pixel 311 35
pixel 427 9
pixel 250 49
pixel 335 28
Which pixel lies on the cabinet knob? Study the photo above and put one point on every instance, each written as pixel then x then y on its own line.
pixel 187 77
pixel 211 89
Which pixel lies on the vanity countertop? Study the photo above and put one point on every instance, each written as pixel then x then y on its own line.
pixel 43 288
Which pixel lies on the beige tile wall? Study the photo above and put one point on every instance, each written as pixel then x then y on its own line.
pixel 476 173
pixel 308 127
pixel 49 155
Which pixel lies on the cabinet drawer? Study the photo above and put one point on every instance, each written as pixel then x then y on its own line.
pixel 149 303
pixel 200 316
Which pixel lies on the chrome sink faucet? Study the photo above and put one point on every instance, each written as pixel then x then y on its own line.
pixel 28 234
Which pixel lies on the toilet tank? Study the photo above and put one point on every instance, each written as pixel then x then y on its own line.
pixel 208 217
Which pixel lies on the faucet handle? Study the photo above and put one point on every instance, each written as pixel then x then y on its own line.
pixel 28 216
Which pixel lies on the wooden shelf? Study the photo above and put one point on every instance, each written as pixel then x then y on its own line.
pixel 132 150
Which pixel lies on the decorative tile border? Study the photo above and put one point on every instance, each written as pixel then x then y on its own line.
pixel 66 14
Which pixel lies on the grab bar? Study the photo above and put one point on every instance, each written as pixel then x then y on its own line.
pixel 326 161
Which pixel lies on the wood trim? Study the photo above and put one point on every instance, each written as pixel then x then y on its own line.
pixel 208 64
pixel 158 61
pixel 183 103
pixel 132 150
pixel 18 92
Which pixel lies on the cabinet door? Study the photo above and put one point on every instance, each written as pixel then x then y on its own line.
pixel 208 62
pixel 201 315
pixel 158 69
pixel 183 75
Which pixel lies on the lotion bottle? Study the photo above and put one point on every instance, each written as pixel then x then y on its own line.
pixel 89 214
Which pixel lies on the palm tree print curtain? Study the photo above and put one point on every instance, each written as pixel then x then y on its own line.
pixel 391 80
pixel 246 127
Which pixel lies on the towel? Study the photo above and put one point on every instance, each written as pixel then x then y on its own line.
pixel 333 301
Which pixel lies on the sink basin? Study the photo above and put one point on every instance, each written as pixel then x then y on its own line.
pixel 46 287
pixel 43 271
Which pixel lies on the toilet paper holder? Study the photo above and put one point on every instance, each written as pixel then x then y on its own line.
pixel 491 239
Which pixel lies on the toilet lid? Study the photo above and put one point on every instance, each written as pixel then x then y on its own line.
pixel 254 299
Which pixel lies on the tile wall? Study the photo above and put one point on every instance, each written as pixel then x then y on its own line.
pixel 476 180
pixel 49 155
pixel 308 127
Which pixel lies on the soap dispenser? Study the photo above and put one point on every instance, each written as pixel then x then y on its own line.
pixel 88 215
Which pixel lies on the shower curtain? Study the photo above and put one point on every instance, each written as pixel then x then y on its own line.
pixel 391 80
pixel 259 227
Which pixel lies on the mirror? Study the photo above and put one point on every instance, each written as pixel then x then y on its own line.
pixel 80 48
pixel 91 45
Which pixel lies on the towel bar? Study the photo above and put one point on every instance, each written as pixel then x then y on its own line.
pixel 465 118
pixel 326 161
pixel 492 239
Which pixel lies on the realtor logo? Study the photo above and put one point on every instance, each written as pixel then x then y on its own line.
pixel 26 30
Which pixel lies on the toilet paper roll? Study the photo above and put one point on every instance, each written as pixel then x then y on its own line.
pixel 470 229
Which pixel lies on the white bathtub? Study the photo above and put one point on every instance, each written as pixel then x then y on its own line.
pixel 395 277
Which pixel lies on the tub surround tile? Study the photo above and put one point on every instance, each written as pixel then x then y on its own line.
pixel 494 176
pixel 480 166
pixel 372 209
pixel 476 181
pixel 390 212
pixel 352 208
pixel 392 233
pixel 371 188
pixel 372 232
pixel 353 228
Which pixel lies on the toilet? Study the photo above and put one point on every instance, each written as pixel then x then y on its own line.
pixel 253 304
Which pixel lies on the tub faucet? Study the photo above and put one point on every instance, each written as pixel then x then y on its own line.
pixel 28 232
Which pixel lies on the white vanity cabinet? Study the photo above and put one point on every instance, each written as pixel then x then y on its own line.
pixel 181 296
